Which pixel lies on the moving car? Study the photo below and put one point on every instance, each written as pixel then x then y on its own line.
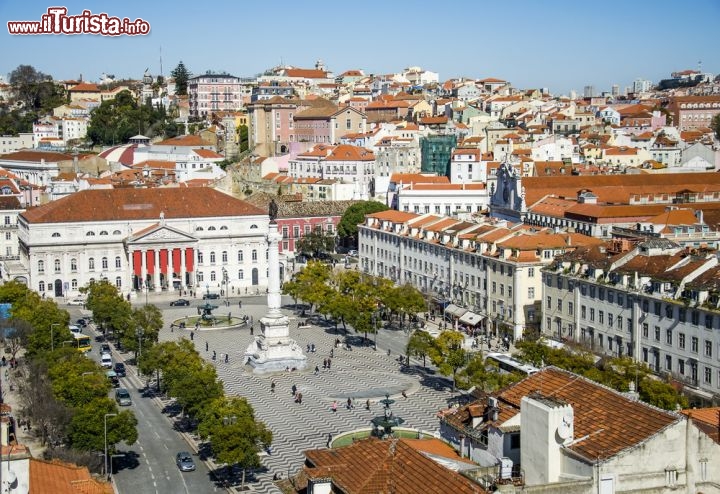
pixel 104 348
pixel 106 361
pixel 122 396
pixel 76 301
pixel 82 322
pixel 184 461
pixel 352 253
pixel 119 369
pixel 211 296
pixel 75 329
pixel 179 302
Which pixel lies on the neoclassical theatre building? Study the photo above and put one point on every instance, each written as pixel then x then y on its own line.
pixel 144 239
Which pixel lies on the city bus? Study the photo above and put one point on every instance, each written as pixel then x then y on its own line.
pixel 82 342
pixel 508 364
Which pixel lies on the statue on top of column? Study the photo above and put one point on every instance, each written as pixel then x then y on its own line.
pixel 273 210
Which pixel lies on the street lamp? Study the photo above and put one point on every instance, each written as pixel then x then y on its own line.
pixel 225 280
pixel 106 456
pixel 52 336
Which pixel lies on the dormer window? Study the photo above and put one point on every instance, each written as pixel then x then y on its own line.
pixel 90 234
pixel 55 235
pixel 117 232
pixel 103 232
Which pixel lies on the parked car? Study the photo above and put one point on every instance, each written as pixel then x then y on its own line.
pixel 119 369
pixel 106 361
pixel 76 301
pixel 122 396
pixel 184 461
pixel 211 296
pixel 352 253
pixel 179 302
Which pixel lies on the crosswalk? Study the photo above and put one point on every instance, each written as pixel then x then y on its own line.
pixel 360 374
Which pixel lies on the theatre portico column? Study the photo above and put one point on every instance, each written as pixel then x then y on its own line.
pixel 182 268
pixel 143 270
pixel 157 271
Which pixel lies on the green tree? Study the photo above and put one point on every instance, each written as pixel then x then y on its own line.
pixel 316 242
pixel 243 138
pixel 118 119
pixel 310 283
pixel 76 379
pixel 35 90
pixel 405 300
pixel 420 344
pixel 715 125
pixel 146 321
pixel 87 426
pixel 158 357
pixel 482 375
pixel 448 354
pixel 353 216
pixel 661 394
pixel 47 321
pixel 109 307
pixel 181 75
pixel 235 435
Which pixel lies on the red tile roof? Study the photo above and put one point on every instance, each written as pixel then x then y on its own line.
pixel 64 478
pixel 346 152
pixel 188 140
pixel 129 204
pixel 85 87
pixel 207 153
pixel 375 466
pixel 35 156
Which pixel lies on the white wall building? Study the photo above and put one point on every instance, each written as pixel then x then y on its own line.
pixel 161 238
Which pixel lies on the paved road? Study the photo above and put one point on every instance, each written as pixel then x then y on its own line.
pixel 148 466
pixel 361 374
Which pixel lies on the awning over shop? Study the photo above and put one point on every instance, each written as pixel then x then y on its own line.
pixel 470 318
pixel 454 310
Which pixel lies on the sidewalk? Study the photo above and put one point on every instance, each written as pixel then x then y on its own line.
pixel 10 387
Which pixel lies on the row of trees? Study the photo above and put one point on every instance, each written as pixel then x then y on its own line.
pixel 236 437
pixel 354 298
pixel 65 395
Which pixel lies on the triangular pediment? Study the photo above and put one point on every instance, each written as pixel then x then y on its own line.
pixel 158 233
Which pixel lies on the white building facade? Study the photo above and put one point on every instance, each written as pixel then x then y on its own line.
pixel 144 239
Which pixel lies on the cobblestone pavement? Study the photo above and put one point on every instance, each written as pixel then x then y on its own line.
pixel 361 374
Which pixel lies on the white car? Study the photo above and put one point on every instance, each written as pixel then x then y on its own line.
pixel 76 301
pixel 106 361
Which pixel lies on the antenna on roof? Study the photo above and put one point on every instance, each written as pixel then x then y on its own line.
pixel 161 72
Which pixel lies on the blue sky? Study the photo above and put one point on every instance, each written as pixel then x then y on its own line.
pixel 559 44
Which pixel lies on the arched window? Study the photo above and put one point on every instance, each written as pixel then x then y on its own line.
pixel 73 264
pixel 212 257
pixel 118 281
pixel 91 263
pixel 212 275
pixel 252 227
pixel 117 232
pixel 41 286
pixel 254 255
pixel 90 234
pixel 200 257
pixel 211 228
pixel 104 262
pixel 57 265
pixel 200 276
pixel 41 266
pixel 103 232
pixel 240 256
pixel 223 227
pixel 199 229
pixel 224 256
pixel 55 235
pixel 118 262
pixel 241 275
pixel 74 284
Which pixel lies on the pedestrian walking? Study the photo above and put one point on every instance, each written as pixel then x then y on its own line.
pixel 172 327
pixel 331 353
pixel 367 405
pixel 324 363
pixel 227 358
pixel 334 406
pixel 349 404
pixel 329 362
pixel 404 394
pixel 298 399
pixel 329 439
pixel 272 386
pixel 214 357
pixel 207 347
pixel 239 304
pixel 317 370
pixel 192 336
pixel 294 390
